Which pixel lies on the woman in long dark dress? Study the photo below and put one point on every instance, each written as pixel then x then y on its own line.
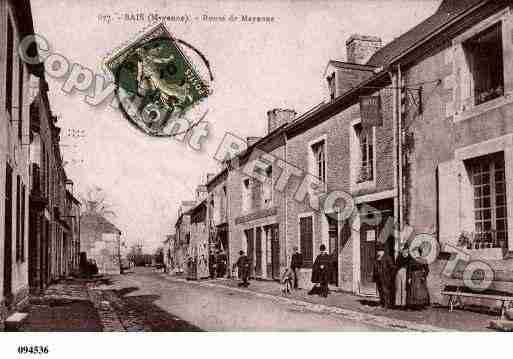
pixel 321 273
pixel 417 294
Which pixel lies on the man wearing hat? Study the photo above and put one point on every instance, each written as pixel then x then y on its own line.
pixel 243 269
pixel 384 275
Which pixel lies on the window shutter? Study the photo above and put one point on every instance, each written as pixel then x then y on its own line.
pixel 463 80
pixel 454 201
pixel 306 239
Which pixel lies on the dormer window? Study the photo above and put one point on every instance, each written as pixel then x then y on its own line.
pixel 331 85
pixel 246 195
pixel 267 187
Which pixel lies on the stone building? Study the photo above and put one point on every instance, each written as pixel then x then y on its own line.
pixel 182 240
pixel 198 249
pixel 38 244
pixel 72 253
pixel 101 241
pixel 219 201
pixel 332 150
pixel 436 159
pixel 15 24
pixel 258 223
pixel 457 154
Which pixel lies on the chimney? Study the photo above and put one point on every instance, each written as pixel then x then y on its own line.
pixel 252 140
pixel 278 117
pixel 360 48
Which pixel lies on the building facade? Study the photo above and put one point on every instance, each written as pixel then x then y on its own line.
pixel 100 240
pixel 15 24
pixel 435 161
pixel 457 169
pixel 37 240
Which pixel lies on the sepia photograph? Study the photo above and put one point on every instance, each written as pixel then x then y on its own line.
pixel 254 166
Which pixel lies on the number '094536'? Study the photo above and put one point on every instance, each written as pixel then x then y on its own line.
pixel 33 349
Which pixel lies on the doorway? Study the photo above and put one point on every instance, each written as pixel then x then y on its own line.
pixel 370 232
pixel 8 236
pixel 273 251
pixel 250 249
pixel 258 252
pixel 333 242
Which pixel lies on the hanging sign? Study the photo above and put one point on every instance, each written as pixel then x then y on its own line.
pixel 370 111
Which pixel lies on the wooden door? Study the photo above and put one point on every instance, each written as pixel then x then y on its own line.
pixel 250 245
pixel 369 234
pixel 306 240
pixel 333 249
pixel 258 252
pixel 368 237
pixel 275 251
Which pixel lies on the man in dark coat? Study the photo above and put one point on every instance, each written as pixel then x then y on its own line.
pixel 295 264
pixel 221 264
pixel 212 259
pixel 321 272
pixel 243 269
pixel 384 275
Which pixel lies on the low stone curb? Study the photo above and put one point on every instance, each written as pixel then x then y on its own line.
pixel 371 319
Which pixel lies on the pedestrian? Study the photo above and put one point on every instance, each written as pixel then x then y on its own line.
pixel 222 263
pixel 417 270
pixel 400 278
pixel 384 275
pixel 321 273
pixel 296 263
pixel 243 269
pixel 212 264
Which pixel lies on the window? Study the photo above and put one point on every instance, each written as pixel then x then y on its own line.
pixel 319 154
pixel 9 71
pixel 267 187
pixel 331 85
pixel 246 195
pixel 488 182
pixel 20 101
pixel 366 160
pixel 306 240
pixel 484 55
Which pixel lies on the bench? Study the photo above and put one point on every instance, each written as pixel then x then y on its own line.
pixel 456 293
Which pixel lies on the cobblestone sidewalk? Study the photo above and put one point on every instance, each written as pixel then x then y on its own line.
pixel 65 306
pixel 81 305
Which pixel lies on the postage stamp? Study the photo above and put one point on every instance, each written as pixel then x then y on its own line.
pixel 156 81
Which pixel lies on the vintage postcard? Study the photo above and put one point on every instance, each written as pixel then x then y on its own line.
pixel 254 166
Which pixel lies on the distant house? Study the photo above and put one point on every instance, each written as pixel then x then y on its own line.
pixel 100 240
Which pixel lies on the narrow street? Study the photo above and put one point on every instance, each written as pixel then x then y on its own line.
pixel 164 303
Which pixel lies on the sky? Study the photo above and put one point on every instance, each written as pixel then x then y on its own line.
pixel 256 67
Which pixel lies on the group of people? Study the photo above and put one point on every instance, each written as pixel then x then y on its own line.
pixel 401 282
pixel 217 264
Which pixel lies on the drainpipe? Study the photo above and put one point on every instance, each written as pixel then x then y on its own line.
pixel 399 150
pixel 284 196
